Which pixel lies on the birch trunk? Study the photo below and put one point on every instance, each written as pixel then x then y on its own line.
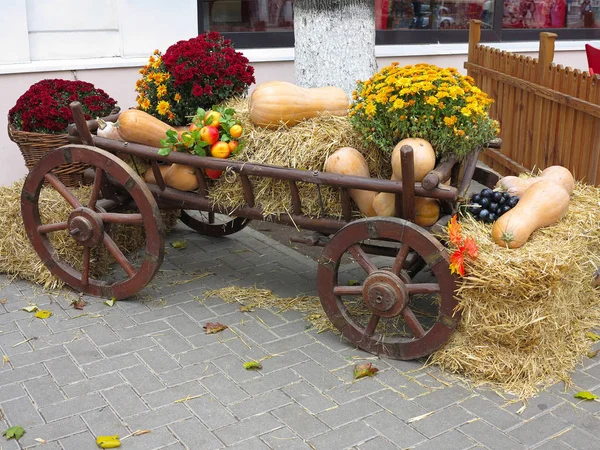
pixel 334 42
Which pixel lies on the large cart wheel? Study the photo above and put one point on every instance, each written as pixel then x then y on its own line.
pixel 88 223
pixel 388 313
pixel 211 224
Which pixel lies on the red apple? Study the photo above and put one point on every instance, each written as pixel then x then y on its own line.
pixel 220 149
pixel 213 173
pixel 209 134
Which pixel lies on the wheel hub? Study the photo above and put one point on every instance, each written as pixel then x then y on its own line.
pixel 86 226
pixel 384 293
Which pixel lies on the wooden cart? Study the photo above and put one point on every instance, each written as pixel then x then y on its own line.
pixel 389 293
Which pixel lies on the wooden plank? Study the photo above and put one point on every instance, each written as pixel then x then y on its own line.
pixel 564 151
pixel 505 161
pixel 565 116
pixel 530 112
pixel 514 113
pixel 554 122
pixel 579 155
pixel 594 161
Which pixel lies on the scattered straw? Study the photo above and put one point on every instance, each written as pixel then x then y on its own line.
pixel 525 311
pixel 305 146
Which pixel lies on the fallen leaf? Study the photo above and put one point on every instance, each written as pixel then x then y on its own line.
pixel 108 441
pixel 592 354
pixel 14 432
pixel 3 301
pixel 246 308
pixel 5 360
pixel 140 432
pixel 41 441
pixel 110 302
pixel 79 304
pixel 593 336
pixel 364 370
pixel 31 308
pixel 585 395
pixel 179 244
pixel 313 316
pixel 212 328
pixel 43 314
pixel 421 417
pixel 252 365
pixel 353 283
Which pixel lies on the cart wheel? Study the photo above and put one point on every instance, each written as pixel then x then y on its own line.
pixel 211 224
pixel 87 223
pixel 388 313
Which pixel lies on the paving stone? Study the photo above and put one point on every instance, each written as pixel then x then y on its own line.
pixel 193 434
pixel 238 345
pixel 396 432
pixel 576 415
pixel 184 325
pixel 270 381
pixel 324 356
pixel 158 360
pixel 80 441
pixel 117 319
pixel 348 412
pixel 259 404
pixel 246 429
pixel 490 412
pixel 539 404
pixel 300 421
pixel 344 437
pixel 285 360
pixel 317 375
pixel 64 370
pixel 538 429
pixel 127 346
pixel 37 356
pixel 74 406
pixel 98 383
pixel 21 411
pixel 142 380
pixel 124 400
pixel 83 352
pixel 159 438
pixel 53 431
pixel 378 443
pixel 224 389
pixel 290 343
pixel 101 335
pixel 399 406
pixel 233 367
pixel 268 318
pixel 442 421
pixel 452 440
pixel 354 390
pixel 170 395
pixel 575 438
pixel 309 397
pixel 196 372
pixel 441 398
pixel 489 436
pixel 144 329
pixel 211 412
pixel 11 392
pixel 250 444
pixel 157 314
pixel 8 342
pixel 44 391
pixel 171 342
pixel 159 417
pixel 111 365
pixel 205 353
pixel 284 439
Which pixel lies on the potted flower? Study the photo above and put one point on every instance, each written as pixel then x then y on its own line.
pixel 38 121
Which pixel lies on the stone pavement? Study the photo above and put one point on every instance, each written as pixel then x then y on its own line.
pixel 115 370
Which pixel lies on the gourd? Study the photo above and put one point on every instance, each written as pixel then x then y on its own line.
pixel 108 130
pixel 349 161
pixel 276 102
pixel 149 175
pixel 517 185
pixel 182 177
pixel 427 211
pixel 544 203
pixel 424 162
pixel 142 128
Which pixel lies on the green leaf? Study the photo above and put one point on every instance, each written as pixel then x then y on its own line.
pixel 179 244
pixel 198 150
pixel 593 336
pixel 165 151
pixel 585 395
pixel 364 370
pixel 31 308
pixel 252 365
pixel 110 302
pixel 353 283
pixel 15 432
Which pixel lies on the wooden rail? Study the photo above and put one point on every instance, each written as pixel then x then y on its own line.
pixel 548 114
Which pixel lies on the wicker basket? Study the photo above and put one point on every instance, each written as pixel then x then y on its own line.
pixel 34 146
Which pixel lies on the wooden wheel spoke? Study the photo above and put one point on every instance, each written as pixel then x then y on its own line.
pixel 348 290
pixel 98 179
pixel 400 258
pixel 372 325
pixel 211 217
pixel 119 256
pixel 413 323
pixel 129 219
pixel 423 288
pixel 50 227
pixel 62 190
pixel 85 271
pixel 361 258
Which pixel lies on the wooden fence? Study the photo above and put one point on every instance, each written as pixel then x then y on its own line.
pixel 549 114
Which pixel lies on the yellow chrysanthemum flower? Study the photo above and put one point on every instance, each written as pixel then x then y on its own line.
pixel 177 97
pixel 163 107
pixel 161 91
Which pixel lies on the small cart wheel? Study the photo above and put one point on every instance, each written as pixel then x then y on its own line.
pixel 208 224
pixel 388 313
pixel 88 223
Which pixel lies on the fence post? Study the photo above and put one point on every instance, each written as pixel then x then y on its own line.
pixel 474 38
pixel 546 55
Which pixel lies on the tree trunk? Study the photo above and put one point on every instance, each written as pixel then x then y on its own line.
pixel 334 42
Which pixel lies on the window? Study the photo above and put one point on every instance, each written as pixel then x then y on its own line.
pixel 269 23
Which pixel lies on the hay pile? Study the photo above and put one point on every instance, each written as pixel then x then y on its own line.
pixel 19 259
pixel 305 146
pixel 525 312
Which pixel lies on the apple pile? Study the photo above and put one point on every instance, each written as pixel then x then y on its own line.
pixel 212 133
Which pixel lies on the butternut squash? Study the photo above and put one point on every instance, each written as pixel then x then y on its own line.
pixel 543 204
pixel 140 127
pixel 517 185
pixel 349 161
pixel 149 175
pixel 276 102
pixel 182 177
pixel 424 162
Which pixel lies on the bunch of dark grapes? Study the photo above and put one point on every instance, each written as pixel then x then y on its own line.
pixel 488 205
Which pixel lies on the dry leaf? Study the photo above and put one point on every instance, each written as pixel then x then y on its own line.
pixel 110 302
pixel 212 328
pixel 593 353
pixel 108 441
pixel 364 370
pixel 79 304
pixel 179 244
pixel 31 308
pixel 41 441
pixel 5 360
pixel 246 308
pixel 585 395
pixel 3 301
pixel 421 417
pixel 252 365
pixel 43 314
pixel 593 336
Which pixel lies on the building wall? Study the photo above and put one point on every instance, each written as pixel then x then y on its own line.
pixel 105 42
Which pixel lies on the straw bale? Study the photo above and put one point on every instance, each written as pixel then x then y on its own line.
pixel 19 259
pixel 525 311
pixel 305 146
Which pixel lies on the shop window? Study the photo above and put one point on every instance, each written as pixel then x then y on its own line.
pixel 550 14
